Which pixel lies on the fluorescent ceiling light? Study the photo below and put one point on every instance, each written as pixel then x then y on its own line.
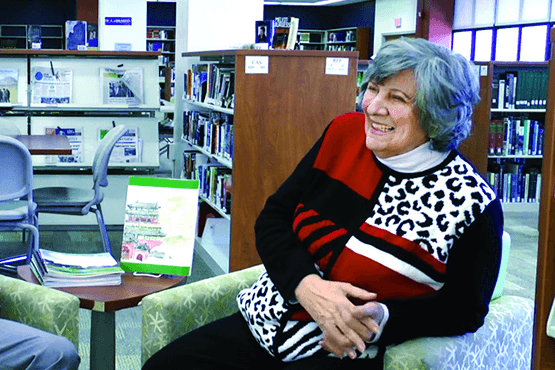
pixel 317 3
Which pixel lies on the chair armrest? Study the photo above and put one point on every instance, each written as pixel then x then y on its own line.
pixel 169 314
pixel 44 308
pixel 503 342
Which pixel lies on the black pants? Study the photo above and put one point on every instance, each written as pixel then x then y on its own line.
pixel 228 344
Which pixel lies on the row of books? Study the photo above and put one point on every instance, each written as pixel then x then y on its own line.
pixel 342 36
pixel 63 270
pixel 215 181
pixel 277 33
pixel 191 160
pixel 515 181
pixel 156 33
pixel 213 132
pixel 516 136
pixel 524 89
pixel 211 84
pixel 341 47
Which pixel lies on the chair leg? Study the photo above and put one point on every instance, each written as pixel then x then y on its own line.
pixel 102 227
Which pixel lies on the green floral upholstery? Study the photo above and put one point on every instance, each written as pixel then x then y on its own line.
pixel 504 342
pixel 40 307
pixel 169 314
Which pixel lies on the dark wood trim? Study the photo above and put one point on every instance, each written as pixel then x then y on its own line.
pixel 88 53
pixel 434 21
pixel 475 147
pixel 543 347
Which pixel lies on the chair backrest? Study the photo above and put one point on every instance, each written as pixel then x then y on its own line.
pixel 102 155
pixel 16 179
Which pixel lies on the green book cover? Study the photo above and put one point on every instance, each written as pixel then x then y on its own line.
pixel 159 226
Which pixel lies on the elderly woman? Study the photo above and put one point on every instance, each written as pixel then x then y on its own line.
pixel 384 232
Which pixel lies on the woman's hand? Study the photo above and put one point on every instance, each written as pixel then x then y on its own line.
pixel 346 327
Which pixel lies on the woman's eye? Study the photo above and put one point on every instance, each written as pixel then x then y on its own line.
pixel 399 98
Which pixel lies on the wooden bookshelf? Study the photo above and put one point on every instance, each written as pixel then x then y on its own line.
pixel 476 147
pixel 543 347
pixel 278 116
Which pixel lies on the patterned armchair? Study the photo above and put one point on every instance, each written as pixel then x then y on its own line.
pixel 503 342
pixel 40 307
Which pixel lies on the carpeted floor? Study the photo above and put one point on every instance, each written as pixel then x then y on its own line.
pixel 520 280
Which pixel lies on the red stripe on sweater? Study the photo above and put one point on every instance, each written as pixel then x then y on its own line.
pixel 303 216
pixel 370 275
pixel 305 231
pixel 367 274
pixel 407 245
pixel 345 157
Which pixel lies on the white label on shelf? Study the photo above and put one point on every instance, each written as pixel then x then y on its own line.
pixel 337 66
pixel 483 70
pixel 82 47
pixel 35 45
pixel 256 64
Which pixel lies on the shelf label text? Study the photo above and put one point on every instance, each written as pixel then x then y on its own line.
pixel 256 64
pixel 337 66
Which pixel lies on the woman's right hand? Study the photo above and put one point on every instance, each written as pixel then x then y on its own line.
pixel 346 326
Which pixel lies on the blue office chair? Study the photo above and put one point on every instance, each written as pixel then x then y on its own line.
pixel 17 207
pixel 77 201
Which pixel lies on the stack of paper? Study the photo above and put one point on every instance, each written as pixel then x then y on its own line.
pixel 59 270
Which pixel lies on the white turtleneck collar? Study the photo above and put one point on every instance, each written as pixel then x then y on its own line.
pixel 417 160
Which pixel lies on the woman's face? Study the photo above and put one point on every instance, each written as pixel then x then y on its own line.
pixel 391 125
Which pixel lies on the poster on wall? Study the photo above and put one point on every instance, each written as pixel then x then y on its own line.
pixel 159 226
pixel 122 86
pixel 51 85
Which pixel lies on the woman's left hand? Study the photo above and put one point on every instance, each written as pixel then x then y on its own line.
pixel 346 326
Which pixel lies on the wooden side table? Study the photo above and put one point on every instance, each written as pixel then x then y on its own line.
pixel 103 302
pixel 46 144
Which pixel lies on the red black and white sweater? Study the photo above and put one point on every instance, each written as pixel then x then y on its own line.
pixel 428 243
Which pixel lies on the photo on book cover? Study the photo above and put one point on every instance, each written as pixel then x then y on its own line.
pixel 159 226
pixel 8 85
pixel 122 86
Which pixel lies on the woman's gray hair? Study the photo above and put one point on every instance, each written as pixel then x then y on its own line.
pixel 447 87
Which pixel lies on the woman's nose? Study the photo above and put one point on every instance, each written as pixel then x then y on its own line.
pixel 377 105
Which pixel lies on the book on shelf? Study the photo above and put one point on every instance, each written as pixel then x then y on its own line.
pixel 122 86
pixel 52 85
pixel 65 270
pixel 263 34
pixel 34 36
pixel 160 225
pixel 192 159
pixel 9 85
pixel 285 30
pixel 515 135
pixel 75 138
pixel 523 89
pixel 76 35
pixel 515 180
pixel 92 36
pixel 215 181
pixel 213 132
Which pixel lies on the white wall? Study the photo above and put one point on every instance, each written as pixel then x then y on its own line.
pixel 134 34
pixel 386 13
pixel 217 24
pixel 203 25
